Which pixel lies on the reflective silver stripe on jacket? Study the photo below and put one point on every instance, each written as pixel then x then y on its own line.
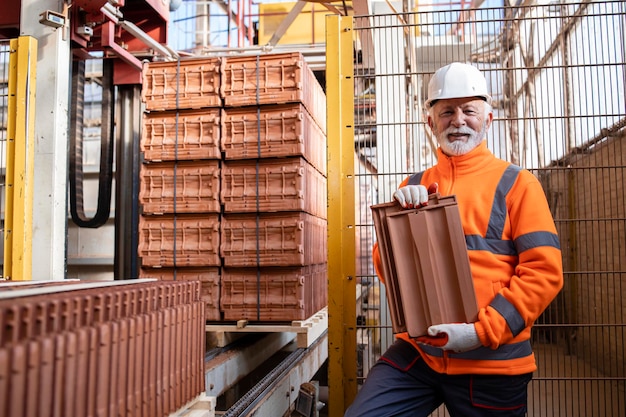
pixel 507 310
pixel 415 179
pixel 493 242
pixel 503 353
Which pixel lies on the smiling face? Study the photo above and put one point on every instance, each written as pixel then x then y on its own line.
pixel 460 124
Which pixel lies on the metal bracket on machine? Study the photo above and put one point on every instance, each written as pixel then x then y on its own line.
pixel 102 26
pixel 115 18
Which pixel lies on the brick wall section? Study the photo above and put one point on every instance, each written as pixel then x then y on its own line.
pixel 588 201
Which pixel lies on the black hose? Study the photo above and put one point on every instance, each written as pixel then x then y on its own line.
pixel 76 146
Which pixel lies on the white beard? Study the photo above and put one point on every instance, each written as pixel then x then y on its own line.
pixel 459 147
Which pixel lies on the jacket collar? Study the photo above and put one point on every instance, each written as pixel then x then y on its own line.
pixel 473 161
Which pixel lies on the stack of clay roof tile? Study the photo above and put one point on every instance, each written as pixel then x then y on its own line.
pixel 269 240
pixel 180 177
pixel 77 350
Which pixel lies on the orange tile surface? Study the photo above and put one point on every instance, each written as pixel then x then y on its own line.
pixel 182 240
pixel 273 294
pixel 195 189
pixel 209 278
pixel 273 185
pixel 186 84
pixel 275 239
pixel 395 300
pixel 182 135
pixel 272 79
pixel 273 131
pixel 129 349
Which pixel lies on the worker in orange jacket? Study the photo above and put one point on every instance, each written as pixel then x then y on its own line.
pixel 481 368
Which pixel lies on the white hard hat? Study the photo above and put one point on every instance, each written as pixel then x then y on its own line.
pixel 457 80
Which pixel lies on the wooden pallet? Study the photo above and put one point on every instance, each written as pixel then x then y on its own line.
pixel 307 331
pixel 201 406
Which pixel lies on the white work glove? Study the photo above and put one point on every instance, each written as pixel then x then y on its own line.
pixel 459 337
pixel 411 196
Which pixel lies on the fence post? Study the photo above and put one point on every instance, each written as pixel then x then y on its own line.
pixel 20 153
pixel 342 360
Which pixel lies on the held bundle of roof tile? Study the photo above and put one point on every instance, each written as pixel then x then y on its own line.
pixel 425 265
pixel 86 349
pixel 234 180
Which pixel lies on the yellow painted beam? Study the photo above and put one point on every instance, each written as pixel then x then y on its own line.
pixel 18 230
pixel 342 355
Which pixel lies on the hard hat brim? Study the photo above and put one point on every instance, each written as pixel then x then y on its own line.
pixel 430 103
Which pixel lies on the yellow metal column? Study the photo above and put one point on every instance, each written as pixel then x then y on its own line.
pixel 18 210
pixel 342 360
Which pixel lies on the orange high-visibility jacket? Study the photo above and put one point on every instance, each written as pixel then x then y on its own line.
pixel 514 253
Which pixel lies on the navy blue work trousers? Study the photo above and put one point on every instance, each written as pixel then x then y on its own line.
pixel 400 384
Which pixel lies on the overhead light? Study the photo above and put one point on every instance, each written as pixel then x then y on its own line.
pixel 52 19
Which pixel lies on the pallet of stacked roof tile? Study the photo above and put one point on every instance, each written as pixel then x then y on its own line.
pixel 273 185
pixel 181 135
pixel 192 83
pixel 274 78
pixel 183 240
pixel 209 278
pixel 271 131
pixel 180 187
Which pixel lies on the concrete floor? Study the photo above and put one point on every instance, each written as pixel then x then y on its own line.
pixel 565 386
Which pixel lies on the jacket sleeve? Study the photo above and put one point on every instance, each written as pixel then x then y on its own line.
pixel 538 274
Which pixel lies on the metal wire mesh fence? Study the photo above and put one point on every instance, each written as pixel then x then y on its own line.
pixel 557 73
